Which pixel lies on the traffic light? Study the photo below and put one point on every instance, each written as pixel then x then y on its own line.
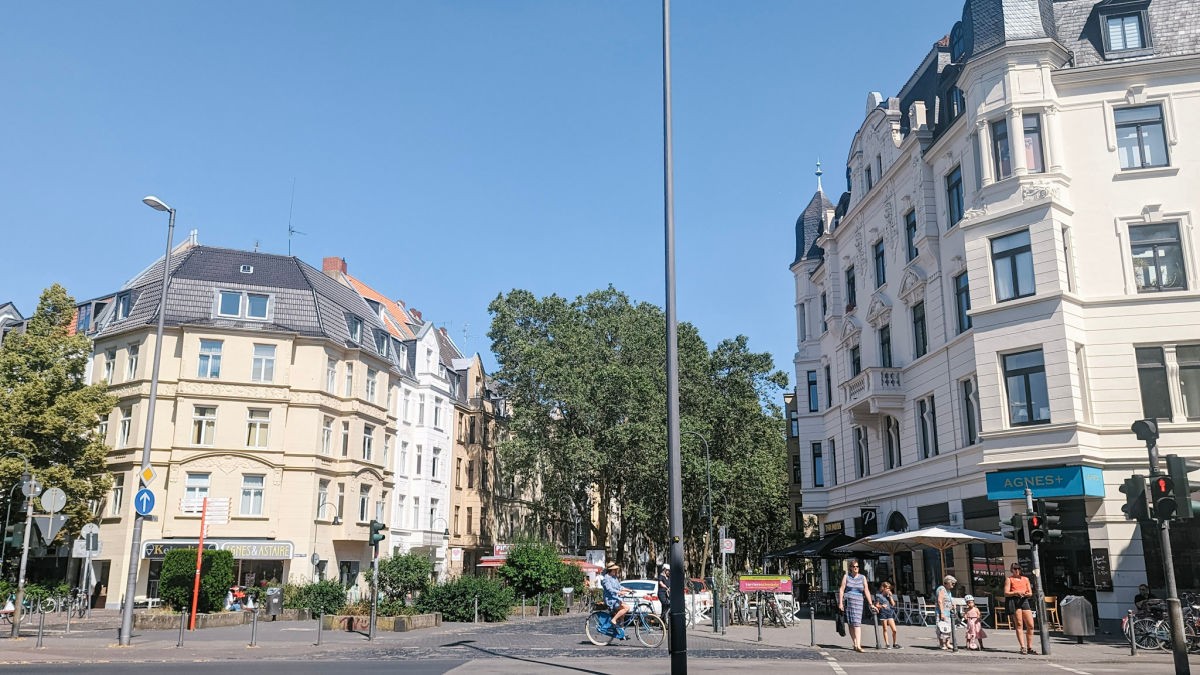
pixel 377 534
pixel 1178 469
pixel 1135 498
pixel 1162 495
pixel 1049 520
pixel 14 535
pixel 1037 530
pixel 1015 529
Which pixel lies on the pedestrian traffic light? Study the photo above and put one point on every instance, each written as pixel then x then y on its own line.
pixel 14 535
pixel 1135 498
pixel 1037 531
pixel 1015 529
pixel 1178 469
pixel 1049 519
pixel 377 535
pixel 1162 495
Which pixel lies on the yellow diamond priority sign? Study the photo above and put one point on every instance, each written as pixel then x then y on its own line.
pixel 148 475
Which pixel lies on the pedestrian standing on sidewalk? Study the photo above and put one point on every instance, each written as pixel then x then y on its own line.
pixel 664 591
pixel 885 603
pixel 943 601
pixel 852 594
pixel 1018 593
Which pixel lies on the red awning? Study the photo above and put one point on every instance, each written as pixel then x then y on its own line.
pixel 491 561
pixel 583 564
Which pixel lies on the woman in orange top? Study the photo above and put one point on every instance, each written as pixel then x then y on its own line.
pixel 1018 596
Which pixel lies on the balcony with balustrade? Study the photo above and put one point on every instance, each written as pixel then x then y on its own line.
pixel 874 391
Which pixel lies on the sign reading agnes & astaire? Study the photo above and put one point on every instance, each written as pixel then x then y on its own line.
pixel 262 549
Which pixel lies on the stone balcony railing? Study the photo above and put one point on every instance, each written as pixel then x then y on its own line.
pixel 874 391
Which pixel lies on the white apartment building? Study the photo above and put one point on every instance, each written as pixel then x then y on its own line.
pixel 1008 282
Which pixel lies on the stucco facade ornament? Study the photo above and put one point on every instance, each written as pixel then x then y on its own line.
pixel 1032 192
pixel 860 249
pixel 879 313
pixel 890 228
pixel 851 331
pixel 975 212
pixel 912 286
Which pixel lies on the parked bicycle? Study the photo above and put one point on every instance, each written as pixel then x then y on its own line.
pixel 647 626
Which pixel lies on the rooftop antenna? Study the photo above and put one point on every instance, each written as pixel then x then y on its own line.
pixel 256 246
pixel 819 172
pixel 292 230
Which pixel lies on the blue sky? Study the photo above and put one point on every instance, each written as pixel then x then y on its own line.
pixel 450 151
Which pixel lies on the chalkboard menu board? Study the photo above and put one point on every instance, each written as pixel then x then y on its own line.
pixel 1101 569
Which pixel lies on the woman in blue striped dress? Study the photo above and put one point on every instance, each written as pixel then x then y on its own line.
pixel 852 594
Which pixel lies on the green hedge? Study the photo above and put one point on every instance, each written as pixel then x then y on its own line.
pixel 456 599
pixel 177 579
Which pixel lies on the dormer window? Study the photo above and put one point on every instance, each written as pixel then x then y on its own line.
pixel 247 269
pixel 243 305
pixel 354 325
pixel 1124 32
pixel 382 342
pixel 1125 28
pixel 124 304
pixel 958 43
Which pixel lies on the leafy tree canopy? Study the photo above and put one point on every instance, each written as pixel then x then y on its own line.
pixel 403 574
pixel 49 413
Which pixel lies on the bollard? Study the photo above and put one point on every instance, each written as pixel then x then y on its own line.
pixel 320 623
pixel 875 616
pixel 477 609
pixel 41 627
pixel 759 612
pixel 522 607
pixel 70 611
pixel 812 624
pixel 1132 638
pixel 182 625
pixel 254 628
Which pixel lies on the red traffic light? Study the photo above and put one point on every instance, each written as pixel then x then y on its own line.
pixel 1163 484
pixel 1035 521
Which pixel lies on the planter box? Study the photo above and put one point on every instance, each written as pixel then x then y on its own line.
pixel 170 620
pixel 399 624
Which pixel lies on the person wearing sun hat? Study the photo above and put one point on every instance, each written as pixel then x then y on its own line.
pixel 611 583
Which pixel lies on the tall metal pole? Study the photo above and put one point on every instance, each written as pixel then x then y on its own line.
pixel 34 490
pixel 1037 576
pixel 135 545
pixel 678 642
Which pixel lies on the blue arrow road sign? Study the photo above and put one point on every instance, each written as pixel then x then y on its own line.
pixel 143 502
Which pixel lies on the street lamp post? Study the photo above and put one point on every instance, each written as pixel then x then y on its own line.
pixel 136 543
pixel 708 507
pixel 30 488
pixel 337 520
pixel 445 537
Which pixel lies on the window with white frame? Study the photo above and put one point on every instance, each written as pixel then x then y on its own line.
pixel 322 498
pixel 920 331
pixel 196 486
pixel 970 411
pixel 262 369
pixel 258 427
pixel 885 346
pixel 421 409
pixel 962 301
pixel 126 426
pixel 401 515
pixel 1153 382
pixel 345 439
pixel 209 363
pixel 252 494
pixel 243 305
pixel 387 449
pixel 117 498
pixel 1025 377
pixel 910 233
pixel 402 467
pixel 1001 157
pixel 433 512
pixel 1012 266
pixel 349 391
pixel 1125 32
pixel 814 404
pixel 204 424
pixel 331 375
pixel 110 360
pixel 1141 137
pixel 372 384
pixel 131 362
pixel 862 466
pixel 416 513
pixel 368 442
pixel 1187 358
pixel 437 413
pixel 1035 161
pixel 380 506
pixel 364 503
pixel 433 464
pixel 102 427
pixel 833 466
pixel 326 435
pixel 954 196
pixel 419 457
pixel 354 325
pixel 927 439
pixel 1157 258
pixel 382 342
pixel 124 303
pixel 891 442
pixel 341 500
pixel 404 407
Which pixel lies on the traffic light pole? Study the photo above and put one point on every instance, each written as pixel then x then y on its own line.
pixel 1179 645
pixel 374 590
pixel 1037 575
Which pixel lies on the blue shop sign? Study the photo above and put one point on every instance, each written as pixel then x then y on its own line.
pixel 1059 481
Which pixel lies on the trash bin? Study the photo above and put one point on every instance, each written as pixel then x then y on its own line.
pixel 1078 620
pixel 568 594
pixel 274 601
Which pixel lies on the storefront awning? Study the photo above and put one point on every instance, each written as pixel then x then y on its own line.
pixel 817 548
pixel 491 561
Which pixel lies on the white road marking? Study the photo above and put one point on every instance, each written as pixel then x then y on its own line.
pixel 837 667
pixel 1069 670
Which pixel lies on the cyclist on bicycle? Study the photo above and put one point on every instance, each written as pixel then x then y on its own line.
pixel 611 583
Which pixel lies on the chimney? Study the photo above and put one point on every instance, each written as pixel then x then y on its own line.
pixel 416 313
pixel 331 266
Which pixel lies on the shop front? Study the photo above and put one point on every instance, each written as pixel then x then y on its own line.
pixel 257 562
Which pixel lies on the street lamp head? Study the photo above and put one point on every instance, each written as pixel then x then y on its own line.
pixel 155 203
pixel 446 534
pixel 337 520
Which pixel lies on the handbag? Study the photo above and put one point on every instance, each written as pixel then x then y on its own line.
pixel 943 627
pixel 841 623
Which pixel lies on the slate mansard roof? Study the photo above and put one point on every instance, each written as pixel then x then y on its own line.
pixel 809 226
pixel 303 301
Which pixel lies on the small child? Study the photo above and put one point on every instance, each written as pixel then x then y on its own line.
pixel 974 619
pixel 885 603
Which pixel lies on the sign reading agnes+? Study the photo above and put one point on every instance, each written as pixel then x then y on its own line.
pixel 1058 481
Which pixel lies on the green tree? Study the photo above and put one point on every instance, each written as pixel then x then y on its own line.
pixel 532 568
pixel 48 411
pixel 177 580
pixel 400 575
pixel 586 381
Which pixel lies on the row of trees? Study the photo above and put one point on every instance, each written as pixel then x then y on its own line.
pixel 587 385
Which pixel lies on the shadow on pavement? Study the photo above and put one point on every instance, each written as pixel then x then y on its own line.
pixel 469 644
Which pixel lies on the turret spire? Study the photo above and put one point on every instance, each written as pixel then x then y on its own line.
pixel 819 172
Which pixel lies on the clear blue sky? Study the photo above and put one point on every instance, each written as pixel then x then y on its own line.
pixel 450 151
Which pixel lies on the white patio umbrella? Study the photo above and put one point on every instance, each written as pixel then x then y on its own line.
pixel 940 538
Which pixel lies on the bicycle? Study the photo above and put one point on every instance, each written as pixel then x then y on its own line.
pixel 647 626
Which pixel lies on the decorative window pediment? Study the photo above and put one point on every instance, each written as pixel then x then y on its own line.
pixel 879 313
pixel 912 286
pixel 851 331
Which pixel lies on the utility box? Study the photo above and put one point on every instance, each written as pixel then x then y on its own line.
pixel 1078 619
pixel 274 601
